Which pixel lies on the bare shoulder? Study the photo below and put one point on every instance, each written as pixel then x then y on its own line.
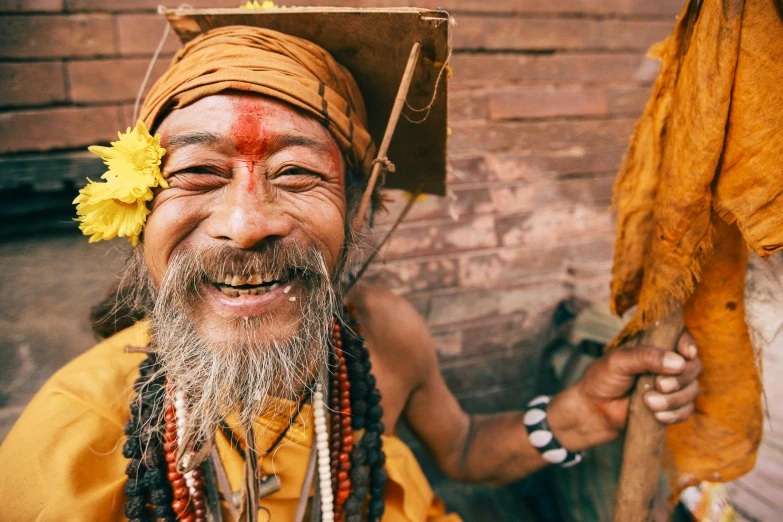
pixel 395 332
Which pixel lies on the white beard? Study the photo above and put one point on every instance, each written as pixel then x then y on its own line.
pixel 242 377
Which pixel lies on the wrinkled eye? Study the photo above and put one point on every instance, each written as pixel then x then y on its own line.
pixel 196 169
pixel 198 178
pixel 297 179
pixel 298 171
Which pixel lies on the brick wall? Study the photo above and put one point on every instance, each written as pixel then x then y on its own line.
pixel 543 98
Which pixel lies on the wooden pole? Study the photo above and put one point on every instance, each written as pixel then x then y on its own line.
pixel 645 435
pixel 399 102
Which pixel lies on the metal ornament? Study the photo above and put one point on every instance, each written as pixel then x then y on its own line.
pixel 268 485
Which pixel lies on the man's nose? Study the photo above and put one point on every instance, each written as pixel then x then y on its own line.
pixel 247 218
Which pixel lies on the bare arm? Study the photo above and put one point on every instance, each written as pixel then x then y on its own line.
pixel 494 449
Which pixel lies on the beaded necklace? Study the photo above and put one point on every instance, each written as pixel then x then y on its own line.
pixel 351 474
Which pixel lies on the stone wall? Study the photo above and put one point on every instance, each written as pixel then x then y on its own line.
pixel 543 98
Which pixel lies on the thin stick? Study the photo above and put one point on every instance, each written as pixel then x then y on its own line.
pixel 388 235
pixel 399 102
pixel 307 485
pixel 645 435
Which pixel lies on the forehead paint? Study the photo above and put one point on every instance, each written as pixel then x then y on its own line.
pixel 246 129
pixel 249 141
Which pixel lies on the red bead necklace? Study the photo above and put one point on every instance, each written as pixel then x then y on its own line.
pixel 189 503
pixel 341 429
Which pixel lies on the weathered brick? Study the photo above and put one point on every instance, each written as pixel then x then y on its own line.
pixel 56 36
pixel 547 102
pixel 532 191
pixel 468 106
pixel 627 100
pixel 499 399
pixel 531 196
pixel 480 137
pixel 497 334
pixel 426 207
pixel 440 237
pixel 550 226
pixel 49 172
pixel 61 128
pixel 552 33
pixel 126 115
pixel 26 6
pixel 528 299
pixel 559 68
pixel 536 164
pixel 448 343
pixel 596 7
pixel 486 372
pixel 17 89
pixel 140 34
pixel 512 264
pixel 593 288
pixel 408 276
pixel 94 81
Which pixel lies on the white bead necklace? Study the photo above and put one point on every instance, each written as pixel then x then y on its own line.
pixel 181 410
pixel 322 446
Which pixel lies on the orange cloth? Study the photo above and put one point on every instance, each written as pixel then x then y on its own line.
pixel 274 64
pixel 63 462
pixel 720 440
pixel 708 141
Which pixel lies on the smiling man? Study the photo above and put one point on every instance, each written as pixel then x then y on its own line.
pixel 256 387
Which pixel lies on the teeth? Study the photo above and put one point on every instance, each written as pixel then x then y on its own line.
pixel 254 279
pixel 287 289
pixel 236 292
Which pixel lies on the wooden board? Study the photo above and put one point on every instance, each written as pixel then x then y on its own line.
pixel 374 45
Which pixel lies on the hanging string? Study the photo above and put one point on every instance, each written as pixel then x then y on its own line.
pixel 444 67
pixel 149 71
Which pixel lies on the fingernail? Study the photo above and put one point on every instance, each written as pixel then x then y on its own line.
pixel 666 416
pixel 673 362
pixel 656 402
pixel 667 384
pixel 692 350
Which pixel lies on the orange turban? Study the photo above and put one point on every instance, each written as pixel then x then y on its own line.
pixel 274 64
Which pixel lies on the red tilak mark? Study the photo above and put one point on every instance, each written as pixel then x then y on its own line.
pixel 249 141
pixel 246 129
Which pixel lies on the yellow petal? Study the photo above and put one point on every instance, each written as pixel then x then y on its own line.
pixel 117 206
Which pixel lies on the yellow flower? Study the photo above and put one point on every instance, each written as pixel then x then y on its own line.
pixel 266 4
pixel 118 206
pixel 136 152
pixel 106 211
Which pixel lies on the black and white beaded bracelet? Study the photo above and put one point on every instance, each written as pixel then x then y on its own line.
pixel 540 435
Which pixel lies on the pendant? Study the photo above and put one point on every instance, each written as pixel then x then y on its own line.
pixel 268 485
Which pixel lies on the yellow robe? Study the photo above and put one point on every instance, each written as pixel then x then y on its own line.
pixel 63 459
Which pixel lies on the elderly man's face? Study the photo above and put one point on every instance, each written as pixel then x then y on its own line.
pixel 246 172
